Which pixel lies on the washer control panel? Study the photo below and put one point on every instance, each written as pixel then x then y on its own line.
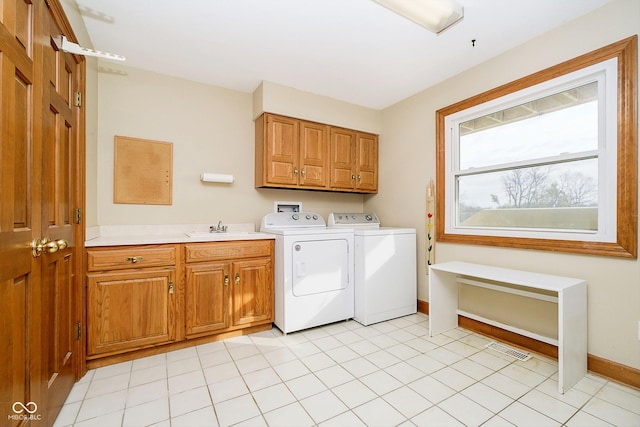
pixel 354 220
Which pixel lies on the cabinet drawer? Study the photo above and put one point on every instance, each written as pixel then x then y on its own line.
pixel 228 250
pixel 130 257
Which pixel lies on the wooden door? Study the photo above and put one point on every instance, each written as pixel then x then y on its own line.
pixel 252 291
pixel 343 151
pixel 367 162
pixel 20 156
pixel 40 181
pixel 281 151
pixel 131 309
pixel 314 155
pixel 207 298
pixel 60 197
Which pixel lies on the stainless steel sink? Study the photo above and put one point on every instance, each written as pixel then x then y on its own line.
pixel 214 235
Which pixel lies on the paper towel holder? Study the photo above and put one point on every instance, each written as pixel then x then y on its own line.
pixel 216 177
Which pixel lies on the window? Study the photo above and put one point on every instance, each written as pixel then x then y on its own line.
pixel 546 162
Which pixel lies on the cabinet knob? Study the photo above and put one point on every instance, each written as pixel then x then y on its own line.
pixel 226 280
pixel 134 259
pixel 170 288
pixel 237 278
pixel 302 172
pixel 295 171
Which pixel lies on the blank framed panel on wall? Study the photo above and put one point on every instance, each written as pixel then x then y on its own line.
pixel 143 171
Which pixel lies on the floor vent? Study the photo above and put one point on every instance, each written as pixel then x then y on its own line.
pixel 501 348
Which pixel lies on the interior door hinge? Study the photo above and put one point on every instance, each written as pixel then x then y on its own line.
pixel 77 214
pixel 78 330
pixel 78 100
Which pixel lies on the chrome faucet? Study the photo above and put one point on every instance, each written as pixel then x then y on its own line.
pixel 218 229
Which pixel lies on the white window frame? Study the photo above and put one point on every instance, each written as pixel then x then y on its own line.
pixel 605 73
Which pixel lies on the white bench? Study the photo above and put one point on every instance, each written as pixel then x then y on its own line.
pixel 571 299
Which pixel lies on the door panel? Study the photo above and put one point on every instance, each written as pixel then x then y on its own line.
pixel 320 266
pixel 207 297
pixel 342 158
pixel 314 154
pixel 252 291
pixel 367 174
pixel 130 309
pixel 59 169
pixel 19 273
pixel 282 151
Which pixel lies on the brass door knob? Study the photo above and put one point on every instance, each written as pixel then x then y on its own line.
pixel 37 246
pixel 53 246
pixel 50 246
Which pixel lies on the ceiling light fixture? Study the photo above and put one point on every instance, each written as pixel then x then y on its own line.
pixel 434 15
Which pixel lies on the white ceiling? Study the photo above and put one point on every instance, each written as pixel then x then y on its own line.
pixel 352 50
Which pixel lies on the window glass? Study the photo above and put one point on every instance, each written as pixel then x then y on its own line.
pixel 566 122
pixel 557 196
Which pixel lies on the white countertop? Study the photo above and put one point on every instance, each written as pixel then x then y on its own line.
pixel 121 235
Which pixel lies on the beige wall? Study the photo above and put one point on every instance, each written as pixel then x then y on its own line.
pixel 212 130
pixel 275 98
pixel 407 162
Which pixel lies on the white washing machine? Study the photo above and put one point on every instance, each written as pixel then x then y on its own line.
pixel 314 270
pixel 385 267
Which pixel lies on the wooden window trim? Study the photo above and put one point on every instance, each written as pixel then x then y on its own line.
pixel 627 156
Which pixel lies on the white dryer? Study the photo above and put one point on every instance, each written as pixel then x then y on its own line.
pixel 314 270
pixel 385 267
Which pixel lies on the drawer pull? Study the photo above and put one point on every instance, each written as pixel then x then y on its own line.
pixel 134 259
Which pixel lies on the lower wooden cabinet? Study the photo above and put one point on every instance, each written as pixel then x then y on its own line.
pixel 229 285
pixel 130 309
pixel 252 292
pixel 131 298
pixel 140 297
pixel 207 298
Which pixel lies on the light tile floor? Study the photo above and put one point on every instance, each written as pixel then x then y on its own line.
pixel 344 374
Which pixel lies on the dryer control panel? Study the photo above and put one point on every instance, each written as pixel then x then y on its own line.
pixel 291 220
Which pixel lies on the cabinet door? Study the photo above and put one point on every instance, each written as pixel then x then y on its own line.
pixel 314 155
pixel 207 298
pixel 343 144
pixel 281 150
pixel 252 291
pixel 367 162
pixel 130 310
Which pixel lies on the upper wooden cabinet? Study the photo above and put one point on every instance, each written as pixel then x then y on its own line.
pixel 294 153
pixel 354 161
pixel 291 153
pixel 314 155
